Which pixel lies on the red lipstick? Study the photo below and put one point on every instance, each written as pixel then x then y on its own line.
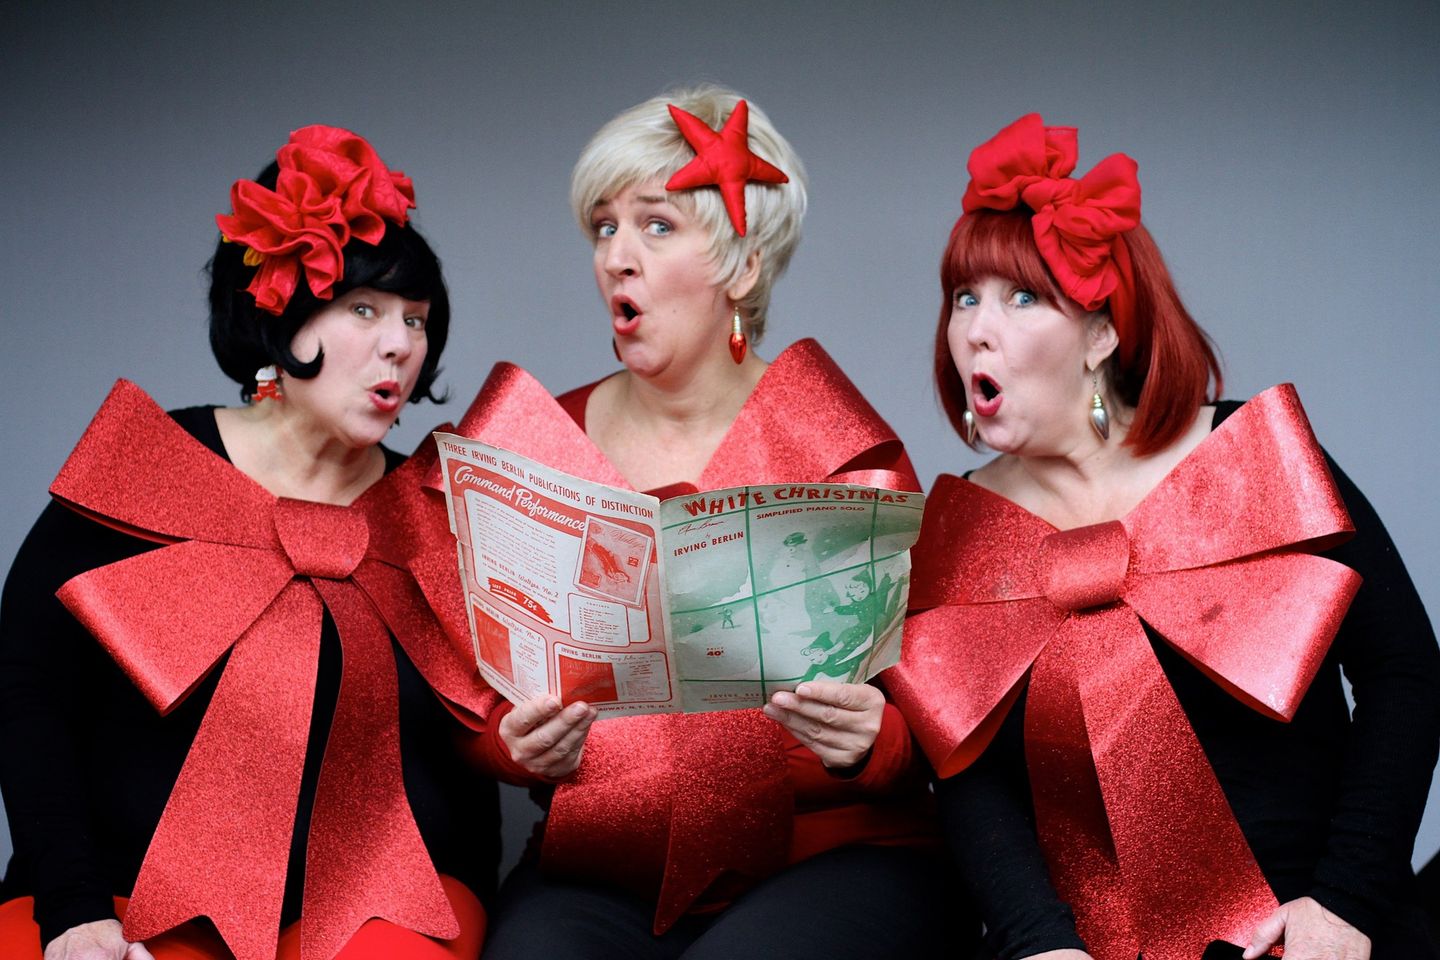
pixel 385 395
pixel 985 395
pixel 625 316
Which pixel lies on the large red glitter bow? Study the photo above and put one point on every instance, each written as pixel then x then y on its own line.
pixel 1079 224
pixel 1131 818
pixel 247 574
pixel 664 805
pixel 723 159
pixel 804 422
pixel 332 187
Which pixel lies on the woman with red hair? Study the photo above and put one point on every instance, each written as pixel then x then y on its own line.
pixel 1128 628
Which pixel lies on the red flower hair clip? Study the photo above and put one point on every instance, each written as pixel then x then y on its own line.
pixel 1079 224
pixel 332 187
pixel 723 159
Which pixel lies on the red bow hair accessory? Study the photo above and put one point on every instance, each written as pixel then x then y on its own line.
pixel 722 159
pixel 1080 225
pixel 332 186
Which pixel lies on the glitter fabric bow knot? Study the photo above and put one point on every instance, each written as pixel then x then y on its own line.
pixel 1079 224
pixel 664 805
pixel 250 575
pixel 332 186
pixel 1132 820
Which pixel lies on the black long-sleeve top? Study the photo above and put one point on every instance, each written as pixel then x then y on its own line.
pixel 1329 803
pixel 87 764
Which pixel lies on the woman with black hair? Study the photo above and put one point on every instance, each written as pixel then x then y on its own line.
pixel 255 739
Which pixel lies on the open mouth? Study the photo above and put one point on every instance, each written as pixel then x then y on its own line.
pixel 626 315
pixel 386 395
pixel 986 395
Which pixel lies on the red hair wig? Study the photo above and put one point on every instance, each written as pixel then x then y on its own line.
pixel 1172 366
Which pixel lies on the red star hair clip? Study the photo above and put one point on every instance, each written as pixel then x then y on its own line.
pixel 722 159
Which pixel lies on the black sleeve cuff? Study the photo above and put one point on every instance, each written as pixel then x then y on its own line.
pixel 56 914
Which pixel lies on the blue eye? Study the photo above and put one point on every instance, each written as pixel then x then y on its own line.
pixel 604 230
pixel 658 228
pixel 1024 298
pixel 964 298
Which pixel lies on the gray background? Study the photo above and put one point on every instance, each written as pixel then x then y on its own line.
pixel 1287 153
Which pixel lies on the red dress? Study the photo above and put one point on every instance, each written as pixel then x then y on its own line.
pixel 692 809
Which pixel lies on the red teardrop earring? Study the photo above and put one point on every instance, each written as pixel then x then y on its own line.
pixel 738 343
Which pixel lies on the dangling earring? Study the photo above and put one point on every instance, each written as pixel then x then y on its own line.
pixel 267 385
pixel 971 428
pixel 1099 417
pixel 737 338
pixel 615 348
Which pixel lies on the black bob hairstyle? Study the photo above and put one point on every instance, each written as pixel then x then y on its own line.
pixel 245 338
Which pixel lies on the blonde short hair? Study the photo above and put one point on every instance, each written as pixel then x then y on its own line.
pixel 643 144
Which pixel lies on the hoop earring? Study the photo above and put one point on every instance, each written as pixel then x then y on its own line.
pixel 267 385
pixel 970 429
pixel 1099 416
pixel 738 342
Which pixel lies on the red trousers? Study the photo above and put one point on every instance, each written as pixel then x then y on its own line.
pixel 375 940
